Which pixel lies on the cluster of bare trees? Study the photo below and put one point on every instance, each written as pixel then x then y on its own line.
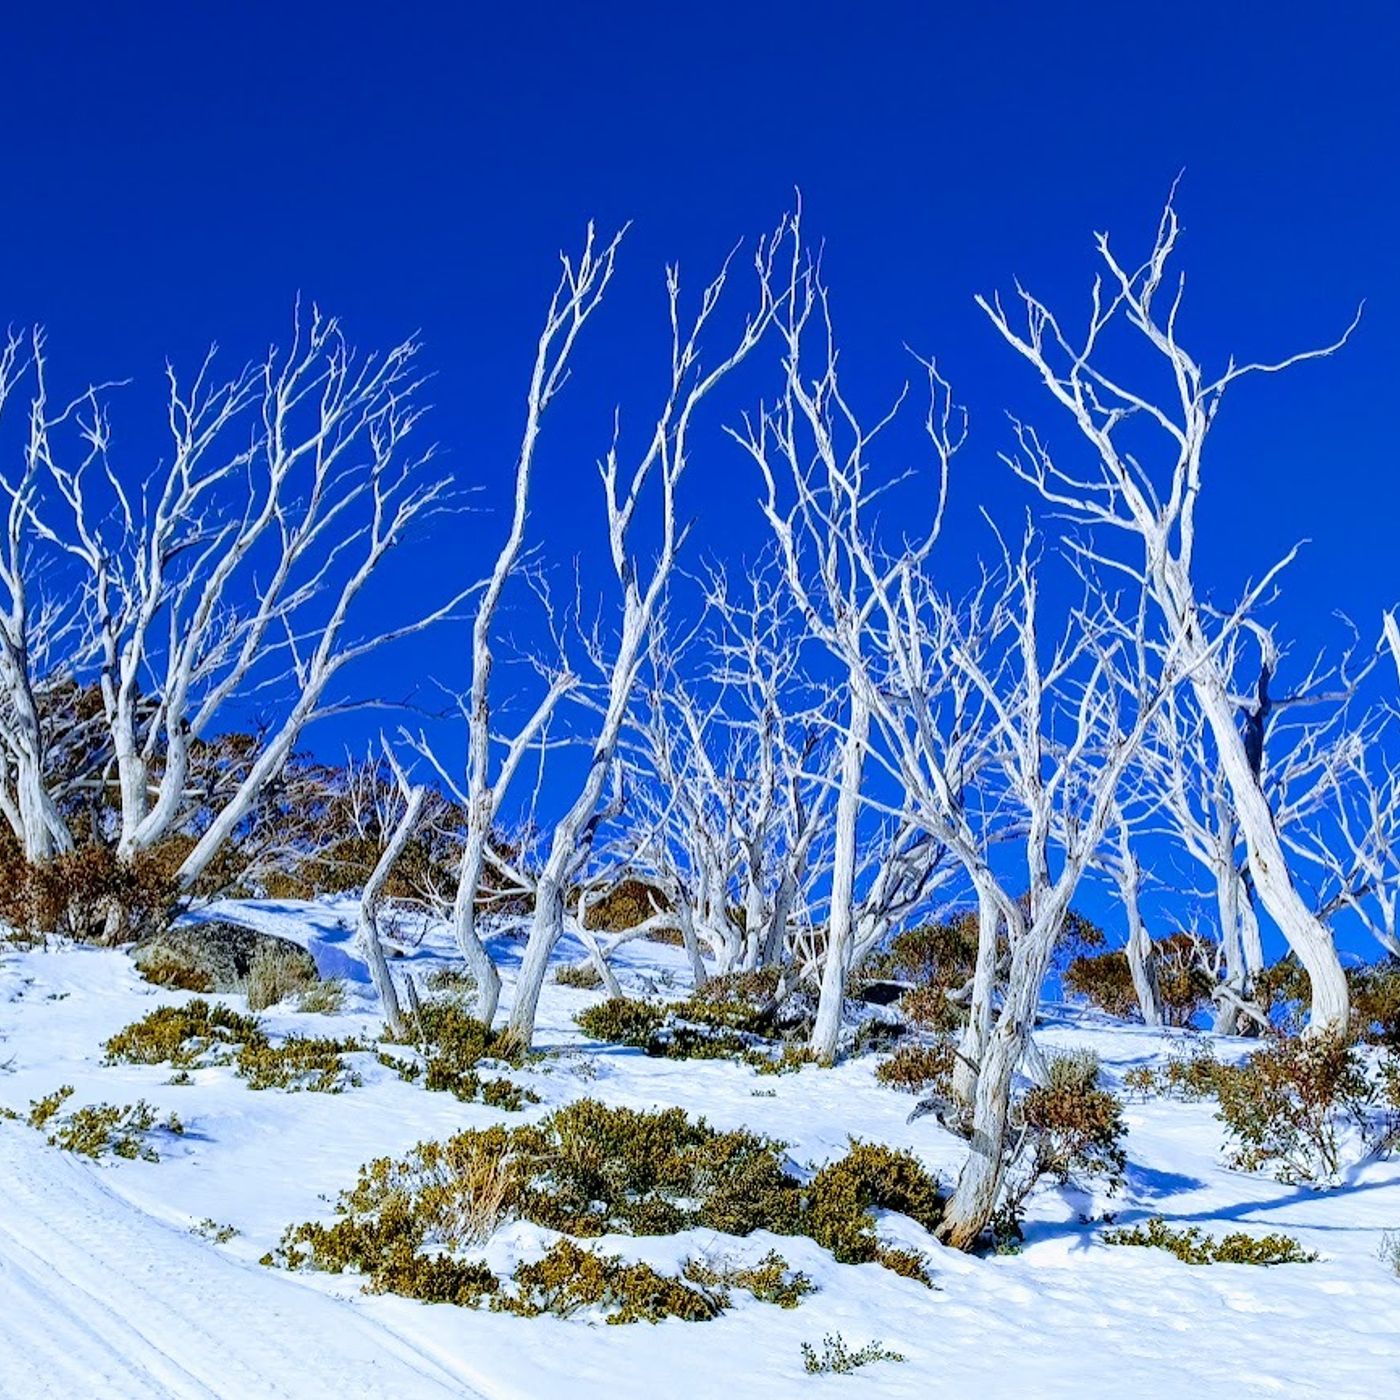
pixel 793 757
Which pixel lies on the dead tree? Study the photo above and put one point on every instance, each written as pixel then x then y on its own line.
pixel 1151 508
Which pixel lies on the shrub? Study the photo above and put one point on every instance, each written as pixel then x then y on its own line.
pixel 210 1229
pixel 929 1008
pixel 1105 981
pixel 622 1021
pixel 324 998
pixel 87 894
pixel 1291 1106
pixel 183 1035
pixel 203 1033
pixel 583 976
pixel 167 968
pixel 568 1278
pixel 1189 1076
pixel 738 1001
pixel 1067 1130
pixel 730 1019
pixel 97 1129
pixel 588 1170
pixel 1191 1246
pixel 771 1280
pixel 836 1358
pixel 628 903
pixel 299 1062
pixel 453 1043
pixel 275 975
pixel 451 981
pixel 870 1174
pixel 914 1068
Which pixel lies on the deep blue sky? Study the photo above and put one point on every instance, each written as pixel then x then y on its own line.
pixel 174 174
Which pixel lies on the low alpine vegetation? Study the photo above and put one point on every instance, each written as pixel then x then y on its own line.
pixel 97 1130
pixel 200 1034
pixel 1193 1246
pixel 588 1170
pixel 837 1359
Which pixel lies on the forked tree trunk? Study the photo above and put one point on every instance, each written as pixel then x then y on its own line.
pixel 975 1197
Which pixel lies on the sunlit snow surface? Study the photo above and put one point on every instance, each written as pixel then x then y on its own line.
pixel 104 1292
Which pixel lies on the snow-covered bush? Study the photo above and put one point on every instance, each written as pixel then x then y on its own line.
pixel 588 1170
pixel 914 1068
pixel 98 1129
pixel 1193 1246
pixel 836 1358
pixel 452 1044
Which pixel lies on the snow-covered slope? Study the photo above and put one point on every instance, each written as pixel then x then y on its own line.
pixel 105 1292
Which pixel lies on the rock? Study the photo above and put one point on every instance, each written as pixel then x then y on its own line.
pixel 217 952
pixel 880 993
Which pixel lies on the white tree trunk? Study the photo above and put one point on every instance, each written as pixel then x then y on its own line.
pixel 826 1032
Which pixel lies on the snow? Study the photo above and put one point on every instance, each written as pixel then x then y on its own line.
pixel 104 1290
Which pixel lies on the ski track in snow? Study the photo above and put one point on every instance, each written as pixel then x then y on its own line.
pixel 97 1299
pixel 104 1292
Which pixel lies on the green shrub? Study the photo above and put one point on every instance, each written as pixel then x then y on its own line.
pixel 869 1175
pixel 210 1229
pixel 836 1358
pixel 42 1109
pixel 583 976
pixel 299 1062
pixel 914 1068
pixel 200 1033
pixel 183 1036
pixel 771 1280
pixel 1189 1076
pixel 587 1170
pixel 97 1129
pixel 1290 1107
pixel 568 1278
pixel 622 1021
pixel 453 1043
pixel 1191 1246
pixel 323 998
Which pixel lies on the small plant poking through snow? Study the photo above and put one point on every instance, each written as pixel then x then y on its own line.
pixel 1192 1246
pixel 837 1359
pixel 99 1129
pixel 210 1229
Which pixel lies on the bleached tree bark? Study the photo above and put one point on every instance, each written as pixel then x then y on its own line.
pixel 813 452
pixel 1156 513
pixel 578 293
pixel 662 464
pixel 1064 733
pixel 367 933
pixel 237 567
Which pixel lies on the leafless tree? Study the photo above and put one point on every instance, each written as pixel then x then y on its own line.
pixel 642 582
pixel 234 569
pixel 1124 496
